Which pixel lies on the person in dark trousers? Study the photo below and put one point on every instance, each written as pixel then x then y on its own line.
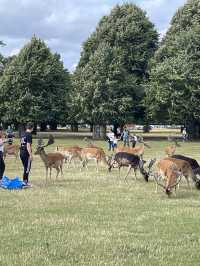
pixel 2 164
pixel 26 152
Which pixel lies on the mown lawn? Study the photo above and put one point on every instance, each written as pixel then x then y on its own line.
pixel 97 219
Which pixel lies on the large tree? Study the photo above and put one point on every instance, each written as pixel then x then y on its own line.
pixel 34 86
pixel 173 94
pixel 113 66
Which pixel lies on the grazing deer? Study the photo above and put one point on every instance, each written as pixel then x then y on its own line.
pixel 96 154
pixel 169 172
pixel 51 160
pixel 11 149
pixel 132 161
pixel 194 165
pixel 184 167
pixel 170 150
pixel 70 153
pixel 138 150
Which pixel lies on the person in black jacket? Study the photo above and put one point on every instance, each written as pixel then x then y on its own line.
pixel 2 164
pixel 26 152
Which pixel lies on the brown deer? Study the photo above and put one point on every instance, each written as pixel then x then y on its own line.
pixel 138 150
pixel 11 149
pixel 170 150
pixel 184 167
pixel 51 160
pixel 70 153
pixel 169 172
pixel 96 154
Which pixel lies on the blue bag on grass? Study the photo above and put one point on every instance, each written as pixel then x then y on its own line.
pixel 15 183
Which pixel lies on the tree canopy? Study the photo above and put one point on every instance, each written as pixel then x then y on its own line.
pixel 173 93
pixel 108 81
pixel 34 86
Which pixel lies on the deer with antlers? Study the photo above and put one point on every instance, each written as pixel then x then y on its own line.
pixel 131 161
pixel 170 150
pixel 51 160
pixel 170 172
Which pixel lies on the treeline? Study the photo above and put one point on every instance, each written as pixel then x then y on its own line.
pixel 125 75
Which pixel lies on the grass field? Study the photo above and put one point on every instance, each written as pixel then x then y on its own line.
pixel 97 219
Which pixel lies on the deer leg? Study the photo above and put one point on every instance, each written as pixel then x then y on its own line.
pixel 119 168
pixel 188 182
pixel 61 169
pixel 97 165
pixel 135 172
pixel 46 174
pixel 129 169
pixel 58 171
pixel 50 172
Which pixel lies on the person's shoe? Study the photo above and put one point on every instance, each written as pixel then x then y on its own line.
pixel 26 184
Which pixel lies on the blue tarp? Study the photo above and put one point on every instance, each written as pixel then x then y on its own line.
pixel 15 183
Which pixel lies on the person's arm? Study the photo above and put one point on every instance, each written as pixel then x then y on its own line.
pixel 29 149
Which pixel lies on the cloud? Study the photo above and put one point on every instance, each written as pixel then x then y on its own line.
pixel 65 25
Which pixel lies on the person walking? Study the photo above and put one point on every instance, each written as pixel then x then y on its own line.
pixel 26 152
pixel 126 137
pixel 184 134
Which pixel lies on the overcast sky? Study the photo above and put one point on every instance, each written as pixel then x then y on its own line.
pixel 65 24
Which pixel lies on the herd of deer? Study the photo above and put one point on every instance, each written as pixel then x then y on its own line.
pixel 170 169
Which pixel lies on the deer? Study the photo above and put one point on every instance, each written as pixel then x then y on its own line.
pixel 170 150
pixel 129 160
pixel 170 172
pixel 70 153
pixel 194 165
pixel 184 167
pixel 11 149
pixel 51 160
pixel 138 150
pixel 96 154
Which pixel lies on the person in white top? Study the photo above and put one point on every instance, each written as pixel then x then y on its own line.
pixel 110 138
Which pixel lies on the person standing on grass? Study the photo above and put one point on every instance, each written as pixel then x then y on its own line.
pixel 126 136
pixel 26 152
pixel 2 164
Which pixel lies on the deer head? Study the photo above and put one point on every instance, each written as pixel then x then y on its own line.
pixel 41 145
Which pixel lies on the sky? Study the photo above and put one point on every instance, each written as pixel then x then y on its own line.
pixel 65 24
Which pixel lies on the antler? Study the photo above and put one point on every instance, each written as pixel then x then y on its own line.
pixel 155 177
pixel 41 142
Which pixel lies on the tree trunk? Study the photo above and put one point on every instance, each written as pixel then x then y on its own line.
pixel 115 127
pixel 74 127
pixel 91 127
pixel 53 125
pixel 193 129
pixel 43 126
pixel 99 132
pixel 21 130
pixel 35 129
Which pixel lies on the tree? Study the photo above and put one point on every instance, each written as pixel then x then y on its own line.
pixel 173 93
pixel 34 86
pixel 108 81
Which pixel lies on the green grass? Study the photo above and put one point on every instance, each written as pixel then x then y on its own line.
pixel 97 219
